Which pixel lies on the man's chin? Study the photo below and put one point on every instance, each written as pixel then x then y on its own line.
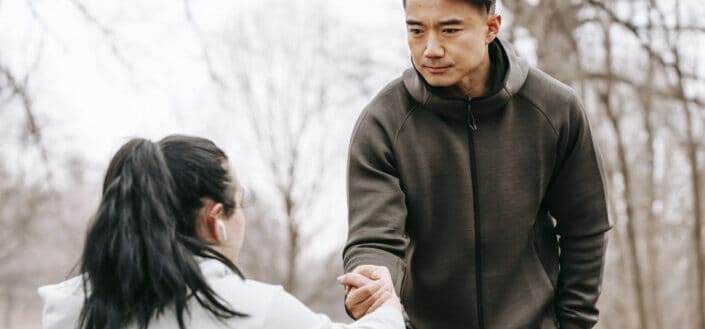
pixel 439 81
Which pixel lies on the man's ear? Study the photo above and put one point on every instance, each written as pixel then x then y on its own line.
pixel 494 22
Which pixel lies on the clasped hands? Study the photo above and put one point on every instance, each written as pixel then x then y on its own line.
pixel 367 288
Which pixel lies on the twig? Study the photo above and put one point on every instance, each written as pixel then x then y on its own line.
pixel 106 31
pixel 204 47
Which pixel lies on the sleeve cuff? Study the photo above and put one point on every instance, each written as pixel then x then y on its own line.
pixel 574 324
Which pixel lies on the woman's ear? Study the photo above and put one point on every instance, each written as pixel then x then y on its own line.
pixel 215 212
pixel 208 229
pixel 212 228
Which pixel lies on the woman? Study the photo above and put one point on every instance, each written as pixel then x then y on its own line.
pixel 162 249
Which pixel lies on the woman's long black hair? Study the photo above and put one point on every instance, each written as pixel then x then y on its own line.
pixel 139 254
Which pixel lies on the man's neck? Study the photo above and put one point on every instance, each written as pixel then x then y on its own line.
pixel 476 83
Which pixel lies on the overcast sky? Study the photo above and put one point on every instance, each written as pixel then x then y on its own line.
pixel 139 70
pixel 145 77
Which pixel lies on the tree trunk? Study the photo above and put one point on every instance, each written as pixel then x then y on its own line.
pixel 551 23
pixel 692 149
pixel 651 222
pixel 293 230
pixel 626 178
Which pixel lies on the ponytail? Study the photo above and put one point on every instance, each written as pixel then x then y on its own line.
pixel 136 263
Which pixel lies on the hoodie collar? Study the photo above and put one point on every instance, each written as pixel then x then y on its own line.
pixel 517 70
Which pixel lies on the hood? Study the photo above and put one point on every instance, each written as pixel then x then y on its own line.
pixel 62 303
pixel 456 107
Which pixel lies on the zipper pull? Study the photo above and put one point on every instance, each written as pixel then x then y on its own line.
pixel 472 123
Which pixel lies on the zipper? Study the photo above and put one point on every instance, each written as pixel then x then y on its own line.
pixel 472 124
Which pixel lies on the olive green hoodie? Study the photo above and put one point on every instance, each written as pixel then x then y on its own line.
pixel 489 212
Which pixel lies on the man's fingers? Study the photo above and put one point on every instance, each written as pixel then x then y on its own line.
pixel 374 272
pixel 355 308
pixel 354 280
pixel 364 306
pixel 383 298
pixel 371 271
pixel 357 296
pixel 367 288
pixel 375 298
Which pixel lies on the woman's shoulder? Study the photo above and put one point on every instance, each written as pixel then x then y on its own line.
pixel 266 305
pixel 238 290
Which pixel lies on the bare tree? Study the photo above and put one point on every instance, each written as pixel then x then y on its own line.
pixel 294 84
pixel 39 238
pixel 691 145
pixel 263 254
pixel 626 175
pixel 650 84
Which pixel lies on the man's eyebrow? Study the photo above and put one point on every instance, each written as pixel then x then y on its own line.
pixel 451 21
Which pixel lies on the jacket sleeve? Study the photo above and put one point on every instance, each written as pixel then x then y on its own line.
pixel 285 311
pixel 376 202
pixel 576 198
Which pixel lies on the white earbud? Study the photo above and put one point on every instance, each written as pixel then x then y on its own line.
pixel 221 228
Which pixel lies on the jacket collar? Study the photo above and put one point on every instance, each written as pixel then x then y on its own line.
pixel 456 107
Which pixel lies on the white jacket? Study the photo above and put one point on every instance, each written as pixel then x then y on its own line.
pixel 268 306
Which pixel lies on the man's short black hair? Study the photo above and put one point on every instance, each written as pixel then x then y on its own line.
pixel 482 4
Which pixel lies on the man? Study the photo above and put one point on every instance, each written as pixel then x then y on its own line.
pixel 474 180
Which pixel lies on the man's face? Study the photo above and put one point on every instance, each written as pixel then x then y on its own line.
pixel 448 39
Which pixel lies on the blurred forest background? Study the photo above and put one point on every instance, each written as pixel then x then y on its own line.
pixel 279 83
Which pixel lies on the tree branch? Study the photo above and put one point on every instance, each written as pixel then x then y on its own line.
pixel 106 31
pixel 217 79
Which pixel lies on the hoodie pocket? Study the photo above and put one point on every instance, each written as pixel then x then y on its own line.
pixel 543 290
pixel 538 267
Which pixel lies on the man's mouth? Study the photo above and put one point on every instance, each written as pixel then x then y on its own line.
pixel 437 69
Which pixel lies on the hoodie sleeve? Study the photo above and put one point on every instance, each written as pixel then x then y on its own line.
pixel 286 311
pixel 376 202
pixel 576 198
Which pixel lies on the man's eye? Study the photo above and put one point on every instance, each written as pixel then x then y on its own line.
pixel 451 30
pixel 415 31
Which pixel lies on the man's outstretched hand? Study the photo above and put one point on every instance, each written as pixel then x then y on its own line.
pixel 367 288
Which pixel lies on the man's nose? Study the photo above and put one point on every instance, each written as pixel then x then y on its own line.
pixel 434 49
